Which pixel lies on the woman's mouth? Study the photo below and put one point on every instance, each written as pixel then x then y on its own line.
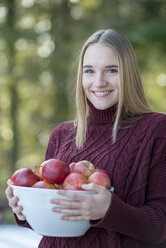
pixel 102 93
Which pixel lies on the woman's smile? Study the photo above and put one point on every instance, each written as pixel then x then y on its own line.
pixel 101 93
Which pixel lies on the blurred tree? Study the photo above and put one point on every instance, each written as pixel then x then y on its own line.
pixel 10 38
pixel 61 33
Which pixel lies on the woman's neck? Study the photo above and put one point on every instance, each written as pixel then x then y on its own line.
pixel 101 117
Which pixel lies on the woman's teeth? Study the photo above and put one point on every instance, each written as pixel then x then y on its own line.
pixel 101 93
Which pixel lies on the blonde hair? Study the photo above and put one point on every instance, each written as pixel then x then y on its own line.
pixel 131 94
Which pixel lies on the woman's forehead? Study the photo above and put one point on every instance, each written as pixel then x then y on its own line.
pixel 99 54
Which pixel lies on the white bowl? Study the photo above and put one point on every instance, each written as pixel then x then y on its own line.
pixel 37 210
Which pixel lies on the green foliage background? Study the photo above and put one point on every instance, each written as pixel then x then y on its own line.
pixel 39 45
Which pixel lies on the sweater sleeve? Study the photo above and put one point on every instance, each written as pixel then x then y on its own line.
pixel 53 143
pixel 22 223
pixel 57 139
pixel 148 222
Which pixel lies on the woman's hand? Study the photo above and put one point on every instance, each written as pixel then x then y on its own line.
pixel 13 202
pixel 83 206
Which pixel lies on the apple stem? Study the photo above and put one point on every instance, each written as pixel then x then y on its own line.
pixel 36 167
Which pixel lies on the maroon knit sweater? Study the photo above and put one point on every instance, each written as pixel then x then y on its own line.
pixel 136 163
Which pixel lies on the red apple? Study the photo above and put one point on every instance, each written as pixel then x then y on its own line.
pixel 43 185
pixel 100 178
pixel 24 177
pixel 71 166
pixel 54 171
pixel 104 171
pixel 85 168
pixel 74 181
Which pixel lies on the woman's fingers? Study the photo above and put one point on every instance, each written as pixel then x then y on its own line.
pixel 92 187
pixel 73 195
pixel 13 203
pixel 18 211
pixel 9 192
pixel 76 196
pixel 72 214
pixel 74 218
pixel 74 209
pixel 78 200
pixel 21 217
pixel 83 206
pixel 65 203
pixel 9 182
pixel 69 211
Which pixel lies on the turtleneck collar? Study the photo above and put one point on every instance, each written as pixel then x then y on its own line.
pixel 101 117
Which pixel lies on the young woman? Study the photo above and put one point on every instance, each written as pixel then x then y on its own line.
pixel 116 130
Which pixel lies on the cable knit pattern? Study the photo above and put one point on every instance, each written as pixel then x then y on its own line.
pixel 136 163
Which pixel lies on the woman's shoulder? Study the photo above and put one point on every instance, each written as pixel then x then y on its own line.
pixel 155 123
pixel 149 119
pixel 157 115
pixel 64 127
pixel 156 118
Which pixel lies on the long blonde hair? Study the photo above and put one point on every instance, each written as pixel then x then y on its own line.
pixel 131 94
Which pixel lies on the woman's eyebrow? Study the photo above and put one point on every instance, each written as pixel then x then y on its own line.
pixel 107 66
pixel 87 66
pixel 110 66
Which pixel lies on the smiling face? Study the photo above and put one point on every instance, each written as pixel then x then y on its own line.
pixel 100 78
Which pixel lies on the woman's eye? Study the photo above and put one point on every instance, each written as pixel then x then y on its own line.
pixel 112 71
pixel 88 71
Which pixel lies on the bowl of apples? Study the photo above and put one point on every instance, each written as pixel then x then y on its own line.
pixel 35 188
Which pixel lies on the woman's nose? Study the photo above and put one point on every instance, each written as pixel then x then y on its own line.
pixel 99 80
